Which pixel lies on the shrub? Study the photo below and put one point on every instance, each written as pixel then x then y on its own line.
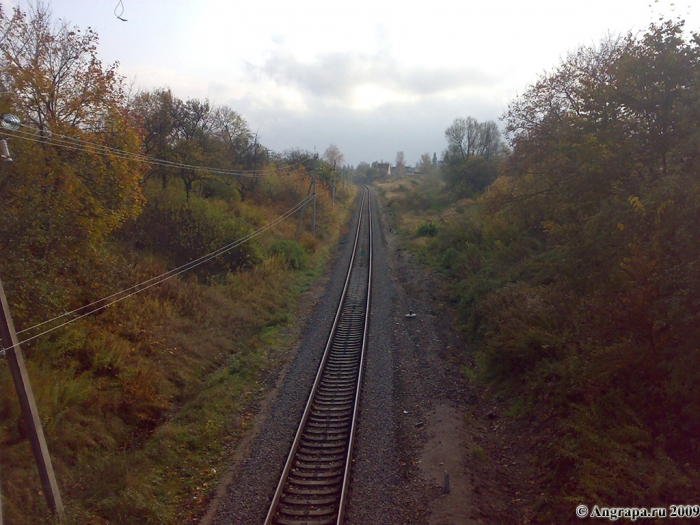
pixel 291 252
pixel 427 229
pixel 184 231
pixel 449 258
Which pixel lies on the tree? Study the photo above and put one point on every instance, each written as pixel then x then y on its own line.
pixel 194 143
pixel 156 111
pixel 64 194
pixel 54 73
pixel 333 156
pixel 233 131
pixel 257 155
pixel 472 155
pixel 60 88
pixel 296 157
pixel 196 133
pixel 366 172
pixel 467 138
pixel 425 165
pixel 400 163
pixel 599 203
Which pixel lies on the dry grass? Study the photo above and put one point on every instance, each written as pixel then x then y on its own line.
pixel 142 404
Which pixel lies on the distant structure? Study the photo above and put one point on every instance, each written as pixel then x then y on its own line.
pixel 384 169
pixel 407 170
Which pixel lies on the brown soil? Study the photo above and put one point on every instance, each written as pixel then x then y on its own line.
pixel 486 455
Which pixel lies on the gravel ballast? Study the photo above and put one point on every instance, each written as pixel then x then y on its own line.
pixel 405 377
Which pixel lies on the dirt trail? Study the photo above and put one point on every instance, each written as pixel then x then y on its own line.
pixel 457 428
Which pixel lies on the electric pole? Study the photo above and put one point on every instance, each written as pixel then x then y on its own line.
pixel 333 198
pixel 313 205
pixel 15 360
pixel 301 216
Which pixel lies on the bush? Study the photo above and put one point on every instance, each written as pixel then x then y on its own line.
pixel 427 229
pixel 184 231
pixel 291 252
pixel 449 258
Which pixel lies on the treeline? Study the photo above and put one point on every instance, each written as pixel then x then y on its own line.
pixel 575 273
pixel 138 400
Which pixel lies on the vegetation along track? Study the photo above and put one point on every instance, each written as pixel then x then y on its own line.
pixel 314 483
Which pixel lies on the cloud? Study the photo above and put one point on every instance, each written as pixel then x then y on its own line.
pixel 414 128
pixel 340 77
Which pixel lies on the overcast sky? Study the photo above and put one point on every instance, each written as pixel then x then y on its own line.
pixel 372 76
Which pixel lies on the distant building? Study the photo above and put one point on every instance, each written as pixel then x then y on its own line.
pixel 384 169
pixel 406 170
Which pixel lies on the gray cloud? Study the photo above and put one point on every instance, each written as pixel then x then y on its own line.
pixel 414 128
pixel 334 76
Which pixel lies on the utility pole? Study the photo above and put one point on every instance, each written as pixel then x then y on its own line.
pixel 301 216
pixel 333 198
pixel 313 206
pixel 15 359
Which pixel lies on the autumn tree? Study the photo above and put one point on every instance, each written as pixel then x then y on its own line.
pixel 333 156
pixel 256 155
pixel 195 133
pixel 295 157
pixel 366 172
pixel 597 216
pixel 156 112
pixel 64 193
pixel 472 155
pixel 240 149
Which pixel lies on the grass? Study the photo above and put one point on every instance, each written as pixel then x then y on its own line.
pixel 144 404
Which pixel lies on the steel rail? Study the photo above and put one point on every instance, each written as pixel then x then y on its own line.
pixel 311 490
pixel 365 332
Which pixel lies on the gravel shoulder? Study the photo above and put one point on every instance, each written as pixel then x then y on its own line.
pixel 432 449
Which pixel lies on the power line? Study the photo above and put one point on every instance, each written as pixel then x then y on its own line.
pixel 73 143
pixel 179 269
pixel 138 288
pixel 76 144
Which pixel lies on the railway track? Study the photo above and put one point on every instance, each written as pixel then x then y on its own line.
pixel 314 483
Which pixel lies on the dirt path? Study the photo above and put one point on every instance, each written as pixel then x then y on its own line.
pixel 452 429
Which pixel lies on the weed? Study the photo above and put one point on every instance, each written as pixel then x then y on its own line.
pixel 291 252
pixel 427 229
pixel 478 452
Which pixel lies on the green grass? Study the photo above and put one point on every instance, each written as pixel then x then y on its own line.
pixel 144 405
pixel 478 452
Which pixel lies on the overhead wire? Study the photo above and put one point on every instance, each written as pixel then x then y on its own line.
pixel 76 144
pixel 155 280
pixel 119 16
pixel 180 269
